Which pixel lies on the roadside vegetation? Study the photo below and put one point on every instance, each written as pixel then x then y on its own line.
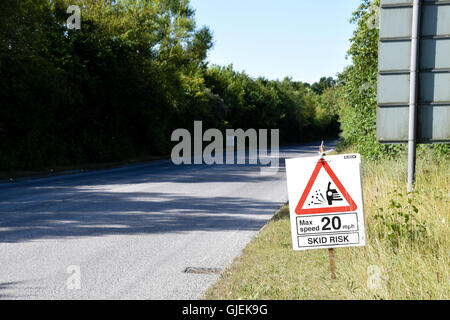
pixel 117 88
pixel 354 97
pixel 406 255
pixel 408 235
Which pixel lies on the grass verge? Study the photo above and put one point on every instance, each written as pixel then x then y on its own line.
pixel 407 254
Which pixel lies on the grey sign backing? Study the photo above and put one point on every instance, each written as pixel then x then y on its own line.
pixel 433 114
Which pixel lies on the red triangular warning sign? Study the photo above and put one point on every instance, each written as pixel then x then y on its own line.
pixel 323 164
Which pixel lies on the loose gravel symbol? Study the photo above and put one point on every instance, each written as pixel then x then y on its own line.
pixel 332 195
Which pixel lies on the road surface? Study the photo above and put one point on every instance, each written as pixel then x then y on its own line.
pixel 131 232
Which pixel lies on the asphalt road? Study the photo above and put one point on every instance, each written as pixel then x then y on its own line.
pixel 130 232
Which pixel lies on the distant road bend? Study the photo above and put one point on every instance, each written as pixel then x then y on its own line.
pixel 130 232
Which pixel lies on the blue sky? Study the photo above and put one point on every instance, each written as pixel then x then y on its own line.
pixel 303 39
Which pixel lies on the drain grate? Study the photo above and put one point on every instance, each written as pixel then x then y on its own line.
pixel 197 270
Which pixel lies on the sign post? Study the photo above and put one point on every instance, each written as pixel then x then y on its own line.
pixel 325 203
pixel 414 75
pixel 413 90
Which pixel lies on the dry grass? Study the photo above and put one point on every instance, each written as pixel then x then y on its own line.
pixel 408 269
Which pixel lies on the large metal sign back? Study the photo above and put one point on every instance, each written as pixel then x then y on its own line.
pixel 433 114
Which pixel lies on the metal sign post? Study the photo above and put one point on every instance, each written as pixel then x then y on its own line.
pixel 413 94
pixel 414 75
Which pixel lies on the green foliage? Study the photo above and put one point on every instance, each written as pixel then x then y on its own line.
pixel 114 89
pixel 327 110
pixel 440 151
pixel 120 85
pixel 400 221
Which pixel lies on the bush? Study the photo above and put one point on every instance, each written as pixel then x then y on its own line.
pixel 400 220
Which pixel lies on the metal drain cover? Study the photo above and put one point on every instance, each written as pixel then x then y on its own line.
pixel 197 270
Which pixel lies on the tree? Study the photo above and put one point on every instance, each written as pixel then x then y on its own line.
pixel 323 84
pixel 358 108
pixel 119 86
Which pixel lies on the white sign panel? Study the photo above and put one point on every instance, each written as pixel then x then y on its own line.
pixel 325 202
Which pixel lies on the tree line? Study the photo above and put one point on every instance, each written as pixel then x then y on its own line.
pixel 118 87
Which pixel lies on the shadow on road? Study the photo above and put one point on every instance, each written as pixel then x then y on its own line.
pixel 104 202
pixel 134 213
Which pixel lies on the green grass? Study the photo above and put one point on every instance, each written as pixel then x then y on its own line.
pixel 402 265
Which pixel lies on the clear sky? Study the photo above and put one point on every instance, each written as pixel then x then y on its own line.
pixel 303 39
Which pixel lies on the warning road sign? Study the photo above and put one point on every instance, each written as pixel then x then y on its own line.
pixel 325 202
